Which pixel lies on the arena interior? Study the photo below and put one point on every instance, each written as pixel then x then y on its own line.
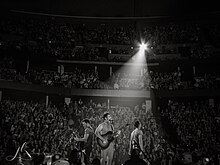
pixel 64 61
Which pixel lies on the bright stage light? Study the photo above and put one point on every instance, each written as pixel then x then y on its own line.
pixel 143 46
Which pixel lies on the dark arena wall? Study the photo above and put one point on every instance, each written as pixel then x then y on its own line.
pixel 124 8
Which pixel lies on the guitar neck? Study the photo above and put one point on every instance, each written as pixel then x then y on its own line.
pixel 122 127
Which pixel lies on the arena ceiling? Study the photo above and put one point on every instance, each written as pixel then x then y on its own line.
pixel 113 8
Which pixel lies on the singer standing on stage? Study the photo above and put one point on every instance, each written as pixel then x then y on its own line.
pixel 103 128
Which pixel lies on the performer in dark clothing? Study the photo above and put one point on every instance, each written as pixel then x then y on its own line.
pixel 87 139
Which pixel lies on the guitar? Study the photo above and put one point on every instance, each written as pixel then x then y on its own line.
pixel 109 137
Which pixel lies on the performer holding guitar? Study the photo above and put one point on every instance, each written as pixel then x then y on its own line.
pixel 103 133
pixel 87 139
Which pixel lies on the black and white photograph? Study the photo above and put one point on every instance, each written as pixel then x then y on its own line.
pixel 117 82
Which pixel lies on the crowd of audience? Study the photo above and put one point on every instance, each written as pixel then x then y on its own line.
pixel 47 129
pixel 195 127
pixel 90 78
pixel 214 34
pixel 167 81
pixel 75 79
pixel 207 81
pixel 60 39
pixel 172 33
pixel 28 121
pixel 65 40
